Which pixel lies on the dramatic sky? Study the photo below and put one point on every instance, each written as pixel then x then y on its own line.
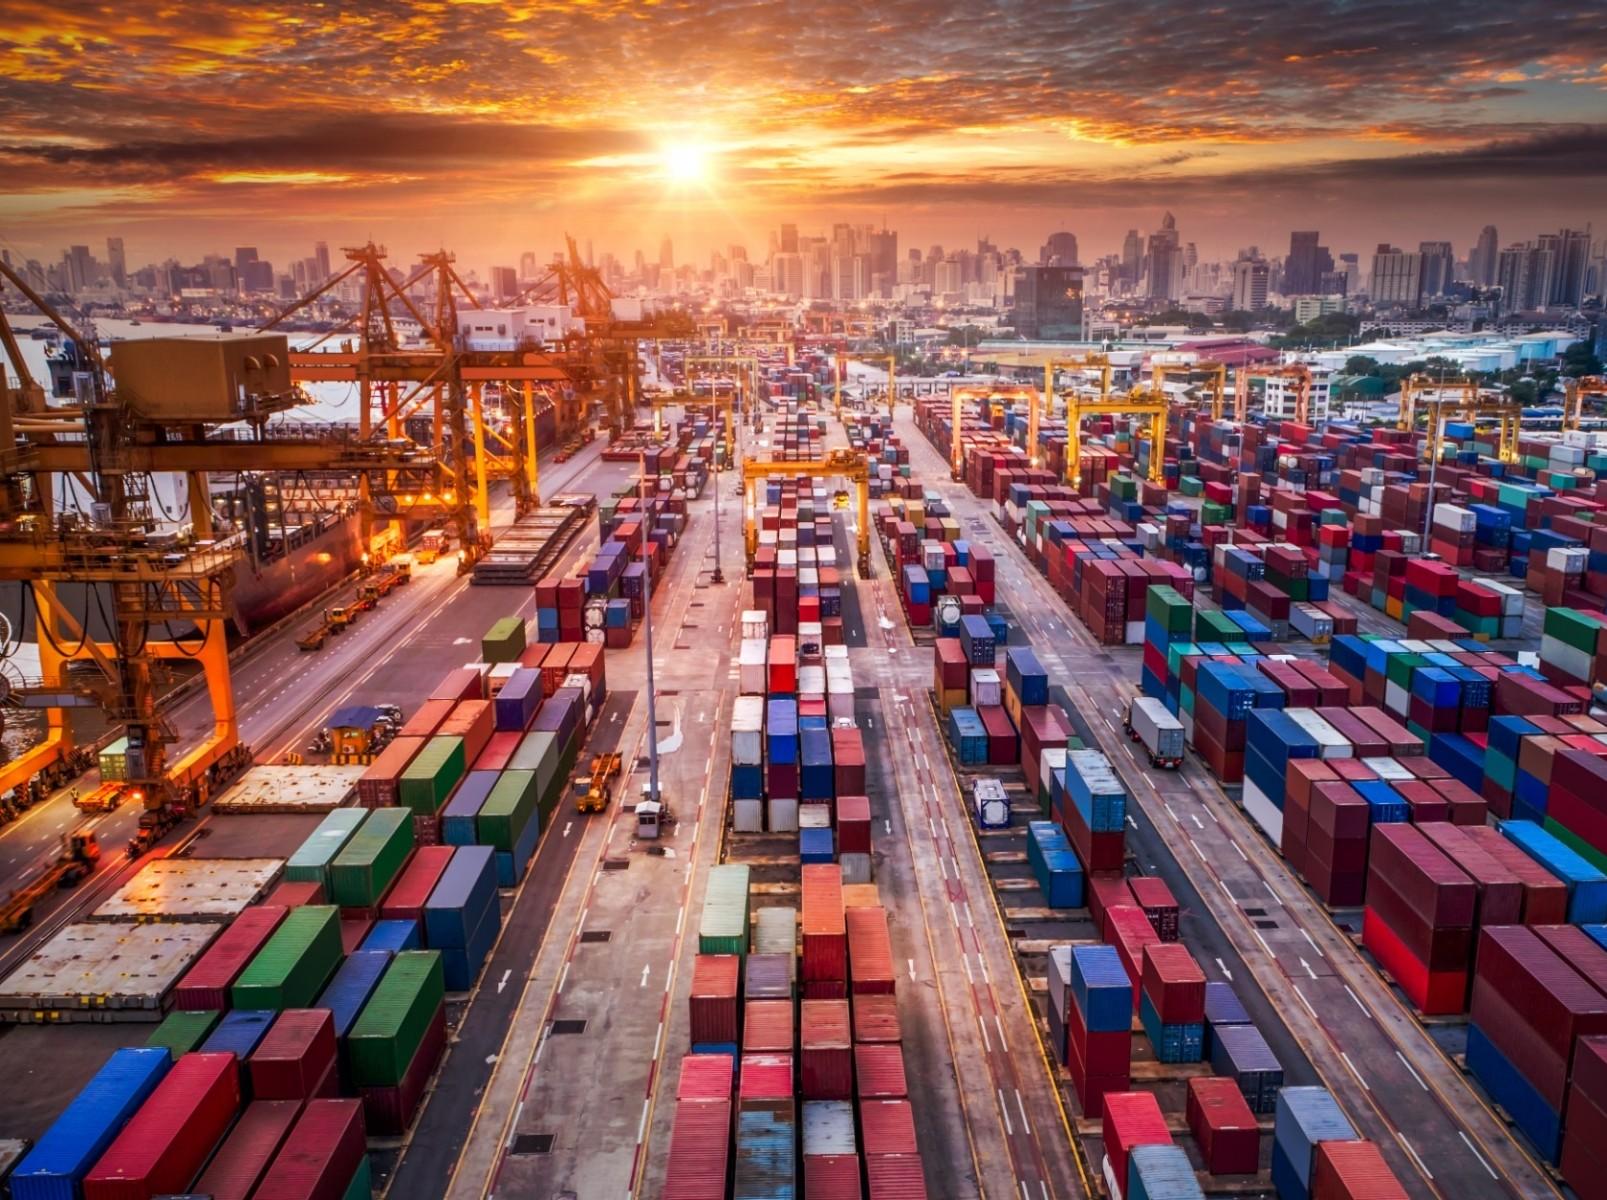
pixel 490 126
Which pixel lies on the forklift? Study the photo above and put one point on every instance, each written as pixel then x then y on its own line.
pixel 591 788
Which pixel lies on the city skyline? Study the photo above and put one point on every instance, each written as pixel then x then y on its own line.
pixel 489 129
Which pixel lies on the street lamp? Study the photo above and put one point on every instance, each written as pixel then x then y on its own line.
pixel 647 632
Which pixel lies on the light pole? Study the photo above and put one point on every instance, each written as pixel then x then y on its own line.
pixel 647 632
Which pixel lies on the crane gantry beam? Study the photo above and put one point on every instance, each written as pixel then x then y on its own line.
pixel 849 465
pixel 1299 372
pixel 1575 392
pixel 1138 403
pixel 1216 380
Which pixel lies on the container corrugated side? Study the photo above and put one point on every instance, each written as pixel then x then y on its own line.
pixel 699 1152
pixel 462 899
pixel 509 808
pixel 310 861
pixel 183 1032
pixel 243 1158
pixel 352 985
pixel 324 1150
pixel 164 1145
pixel 723 927
pixel 86 1127
pixel 206 984
pixel 295 1057
pixel 1353 1171
pixel 295 963
pixel 766 1166
pixel 405 900
pixel 393 1022
pixel 433 773
pixel 367 865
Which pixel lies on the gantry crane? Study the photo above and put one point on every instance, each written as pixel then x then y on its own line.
pixel 849 465
pixel 1459 398
pixel 1137 403
pixel 165 415
pixel 841 372
pixel 985 392
pixel 1096 364
pixel 1216 380
pixel 1575 392
pixel 741 369
pixel 1299 372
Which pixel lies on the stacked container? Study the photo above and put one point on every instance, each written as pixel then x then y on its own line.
pixel 1090 1019
pixel 1419 918
pixel 1172 1003
pixel 398 1039
pixel 463 916
pixel 1306 1117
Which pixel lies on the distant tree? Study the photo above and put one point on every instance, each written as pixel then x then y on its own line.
pixel 1524 391
pixel 964 335
pixel 1361 364
pixel 1238 321
pixel 1580 359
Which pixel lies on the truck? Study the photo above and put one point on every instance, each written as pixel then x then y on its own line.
pixel 80 852
pixel 431 545
pixel 591 787
pixel 1151 724
pixel 103 798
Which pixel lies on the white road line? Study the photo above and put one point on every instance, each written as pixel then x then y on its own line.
pixel 943 868
pixel 1003 1041
pixel 1354 1071
pixel 1416 1158
pixel 968 919
pixel 680 919
pixel 1198 824
pixel 1238 850
pixel 1477 1155
pixel 1172 813
pixel 1270 952
pixel 1305 1002
pixel 987 1044
pixel 1132 822
pixel 647 969
pixel 1223 967
pixel 1197 849
pixel 982 966
pixel 562 979
pixel 1222 883
pixel 965 958
pixel 1004 1111
pixel 567 824
pixel 1359 1004
pixel 513 1129
pixel 1312 944
pixel 658 1040
pixel 1212 815
pixel 954 914
pixel 1270 892
pixel 1021 1107
pixel 911 962
pixel 503 982
pixel 641 1126
pixel 1412 1072
pixel 887 827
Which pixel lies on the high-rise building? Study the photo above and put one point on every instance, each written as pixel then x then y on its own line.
pixel 1524 271
pixel 1304 267
pixel 1132 257
pixel 789 239
pixel 116 260
pixel 320 253
pixel 1059 251
pixel 666 254
pixel 1397 277
pixel 1165 255
pixel 1439 265
pixel 786 271
pixel 527 265
pixel 80 268
pixel 1481 262
pixel 1570 252
pixel 1251 277
pixel 1048 302
pixel 504 283
pixel 880 249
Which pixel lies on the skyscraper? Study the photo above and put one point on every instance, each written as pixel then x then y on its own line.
pixel 1570 252
pixel 504 283
pixel 527 265
pixel 116 260
pixel 666 254
pixel 1300 267
pixel 1165 261
pixel 1481 262
pixel 1048 302
pixel 1132 256
pixel 1439 265
pixel 1397 277
pixel 1250 279
pixel 1059 251
pixel 1524 271
pixel 320 253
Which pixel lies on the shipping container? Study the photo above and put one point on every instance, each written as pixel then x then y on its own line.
pixel 392 1024
pixel 1157 1172
pixel 406 899
pixel 699 1151
pixel 165 1143
pixel 435 770
pixel 723 926
pixel 351 987
pixel 243 1158
pixel 309 863
pixel 1225 1129
pixel 389 1110
pixel 296 1057
pixel 371 860
pixel 323 1151
pixel 712 1002
pixel 295 962
pixel 239 1032
pixel 1305 1118
pixel 206 984
pixel 1353 1171
pixel 766 1166
pixel 1129 1120
pixel 826 1058
pixel 183 1032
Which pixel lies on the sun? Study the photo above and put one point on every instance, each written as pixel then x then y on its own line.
pixel 686 163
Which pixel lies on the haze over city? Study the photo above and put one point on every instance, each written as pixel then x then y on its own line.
pixel 488 128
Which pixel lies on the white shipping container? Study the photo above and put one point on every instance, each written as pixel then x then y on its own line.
pixel 1388 768
pixel 840 707
pixel 808 576
pixel 1135 633
pixel 499 675
pixel 1330 742
pixel 826 556
pixel 811 639
pixel 1454 517
pixel 582 681
pixel 755 625
pixel 986 689
pixel 812 682
pixel 1411 541
pixel 828 1127
pixel 747 731
pixel 1311 623
pixel 1160 732
pixel 1570 560
pixel 1511 597
pixel 1059 977
pixel 1397 700
pixel 783 815
pixel 814 814
pixel 1263 812
pixel 747 816
pixel 1576 663
pixel 990 804
pixel 775 930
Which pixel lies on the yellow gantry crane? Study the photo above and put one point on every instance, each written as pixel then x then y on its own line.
pixel 1215 381
pixel 1298 372
pixel 841 371
pixel 1137 403
pixel 741 369
pixel 1575 392
pixel 848 465
pixel 1082 364
pixel 1450 398
pixel 985 392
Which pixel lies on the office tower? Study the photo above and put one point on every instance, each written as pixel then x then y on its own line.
pixel 1397 277
pixel 1439 264
pixel 1251 279
pixel 1525 273
pixel 527 265
pixel 504 283
pixel 1481 262
pixel 116 260
pixel 1048 302
pixel 1165 256
pixel 320 253
pixel 1059 251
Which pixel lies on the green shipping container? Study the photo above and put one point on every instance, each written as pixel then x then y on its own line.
pixel 1572 628
pixel 392 1024
pixel 183 1032
pixel 723 928
pixel 362 1185
pixel 363 871
pixel 310 862
pixel 294 964
pixel 1168 607
pixel 1576 843
pixel 431 776
pixel 113 761
pixel 1213 626
pixel 504 641
pixel 507 810
pixel 1399 667
pixel 557 787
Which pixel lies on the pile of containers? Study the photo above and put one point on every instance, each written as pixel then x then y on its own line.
pixel 797 580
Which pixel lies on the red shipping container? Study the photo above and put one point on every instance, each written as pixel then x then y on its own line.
pixel 1160 906
pixel 1545 897
pixel 766 1077
pixel 1500 894
pixel 162 1147
pixel 1430 884
pixel 706 1077
pixel 1222 1123
pixel 767 1027
pixel 292 893
pixel 831 1177
pixel 498 750
pixel 1129 930
pixel 1004 748
pixel 295 1056
pixel 474 721
pixel 320 1156
pixel 1433 992
pixel 700 1148
pixel 826 1053
pixel 782 665
pixel 205 986
pixel 1353 1171
pixel 1130 1119
pixel 853 824
pixel 377 785
pixel 950 667
pixel 1106 1054
pixel 825 935
pixel 712 1003
pixel 876 1018
pixel 354 927
pixel 1105 892
pixel 879 1072
pixel 896 1176
pixel 848 762
pixel 427 719
pixel 406 899
pixel 243 1158
pixel 465 683
pixel 870 951
pixel 888 1127
pixel 1174 983
pixel 390 1110
pixel 555 666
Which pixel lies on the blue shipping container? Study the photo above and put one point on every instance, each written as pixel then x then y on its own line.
pixel 1161 1173
pixel 511 866
pixel 239 1032
pixel 394 935
pixel 1242 1054
pixel 1101 989
pixel 518 700
pixel 1174 1043
pixel 1587 887
pixel 353 983
pixel 1306 1116
pixel 815 846
pixel 460 965
pixel 457 819
pixel 461 897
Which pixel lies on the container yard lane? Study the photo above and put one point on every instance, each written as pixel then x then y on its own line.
pixel 283 694
pixel 1366 1046
pixel 1017 1128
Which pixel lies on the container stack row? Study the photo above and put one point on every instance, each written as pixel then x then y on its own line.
pixel 797 578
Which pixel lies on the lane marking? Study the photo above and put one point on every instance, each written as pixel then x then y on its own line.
pixel 1416 1158
pixel 1223 967
pixel 503 982
pixel 1354 1071
pixel 647 969
pixel 1411 1071
pixel 1468 1142
pixel 1313 945
pixel 1365 1010
pixel 1004 1111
